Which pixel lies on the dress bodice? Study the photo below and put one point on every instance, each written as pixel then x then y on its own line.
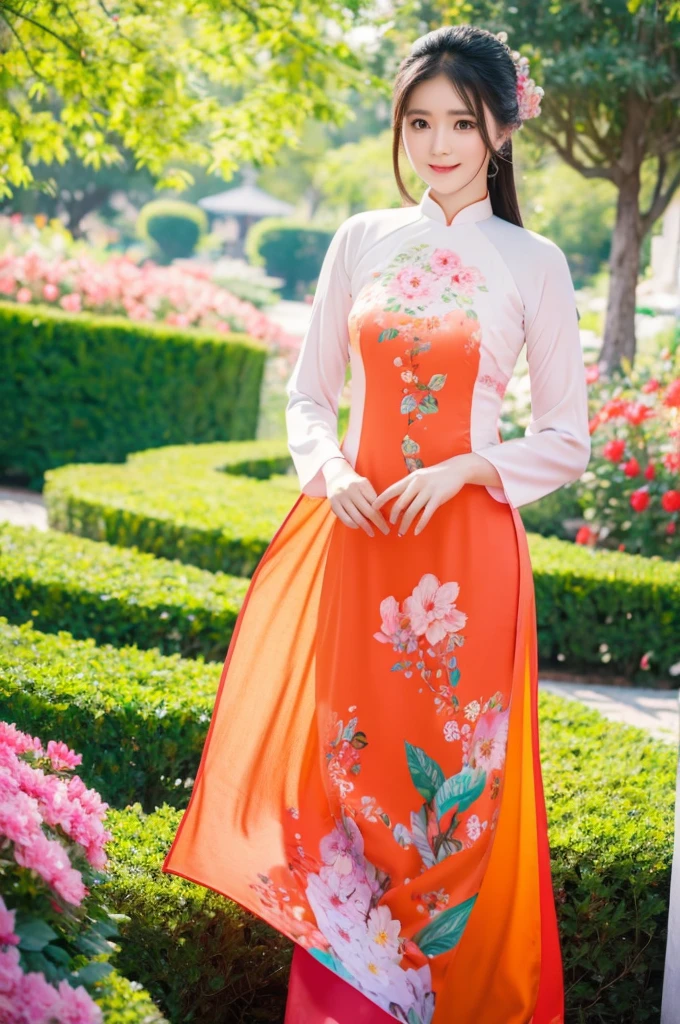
pixel 431 317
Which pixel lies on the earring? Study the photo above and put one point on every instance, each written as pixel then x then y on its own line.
pixel 488 174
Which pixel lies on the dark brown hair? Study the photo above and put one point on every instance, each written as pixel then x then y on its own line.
pixel 480 67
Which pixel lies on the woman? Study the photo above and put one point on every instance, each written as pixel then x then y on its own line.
pixel 371 783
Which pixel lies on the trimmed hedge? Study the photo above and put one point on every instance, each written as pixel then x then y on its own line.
pixel 597 609
pixel 203 958
pixel 84 388
pixel 216 506
pixel 116 595
pixel 610 795
pixel 141 716
pixel 126 1002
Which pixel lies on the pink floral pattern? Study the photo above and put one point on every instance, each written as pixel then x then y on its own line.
pixel 413 281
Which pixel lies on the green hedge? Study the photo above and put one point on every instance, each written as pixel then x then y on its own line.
pixel 125 1002
pixel 216 506
pixel 115 595
pixel 202 957
pixel 610 795
pixel 82 388
pixel 141 716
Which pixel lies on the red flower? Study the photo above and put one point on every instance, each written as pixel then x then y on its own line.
pixel 644 661
pixel 670 527
pixel 671 461
pixel 613 450
pixel 592 373
pixel 651 385
pixel 670 501
pixel 650 471
pixel 639 499
pixel 632 467
pixel 622 547
pixel 585 536
pixel 638 412
pixel 613 408
pixel 594 423
pixel 672 396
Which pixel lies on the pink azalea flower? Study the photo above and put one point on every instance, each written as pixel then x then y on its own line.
pixel 466 279
pixel 7 921
pixel 61 756
pixel 71 302
pixel 24 295
pixel 489 740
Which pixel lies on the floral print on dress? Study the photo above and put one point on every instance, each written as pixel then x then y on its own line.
pixel 427 625
pixel 413 281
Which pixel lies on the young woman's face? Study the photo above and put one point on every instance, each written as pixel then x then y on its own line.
pixel 439 131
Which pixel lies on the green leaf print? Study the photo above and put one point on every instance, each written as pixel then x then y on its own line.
pixel 408 404
pixel 444 931
pixel 400 665
pixel 437 381
pixel 412 1017
pixel 409 447
pixel 428 404
pixel 426 774
pixel 425 347
pixel 471 313
pixel 461 789
pixel 388 334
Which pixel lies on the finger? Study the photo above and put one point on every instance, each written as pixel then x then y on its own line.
pixel 358 518
pixel 389 492
pixel 343 517
pixel 376 517
pixel 412 511
pixel 426 516
pixel 401 503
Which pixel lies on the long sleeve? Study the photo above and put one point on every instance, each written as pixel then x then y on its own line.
pixel 318 377
pixel 555 448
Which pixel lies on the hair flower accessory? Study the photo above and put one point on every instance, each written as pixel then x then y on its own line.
pixel 529 95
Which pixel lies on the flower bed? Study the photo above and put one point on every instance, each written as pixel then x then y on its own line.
pixel 56 932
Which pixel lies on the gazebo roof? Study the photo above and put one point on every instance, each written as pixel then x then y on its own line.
pixel 246 200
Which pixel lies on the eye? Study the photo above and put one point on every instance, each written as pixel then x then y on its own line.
pixel 471 123
pixel 414 123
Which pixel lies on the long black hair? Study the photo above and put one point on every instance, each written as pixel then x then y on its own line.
pixel 480 67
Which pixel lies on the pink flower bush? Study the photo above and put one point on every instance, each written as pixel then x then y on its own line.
pixel 52 841
pixel 182 294
pixel 631 491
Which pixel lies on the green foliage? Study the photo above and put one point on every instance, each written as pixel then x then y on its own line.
pixel 83 388
pixel 195 83
pixel 125 1002
pixel 140 716
pixel 172 227
pixel 288 250
pixel 206 959
pixel 116 595
pixel 216 506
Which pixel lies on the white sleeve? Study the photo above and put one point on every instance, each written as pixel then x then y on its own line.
pixel 318 377
pixel 555 448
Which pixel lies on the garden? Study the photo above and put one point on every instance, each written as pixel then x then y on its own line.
pixel 144 354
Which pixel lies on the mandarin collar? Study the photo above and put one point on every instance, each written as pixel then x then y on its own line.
pixel 479 210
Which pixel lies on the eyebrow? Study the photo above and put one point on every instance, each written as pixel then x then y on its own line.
pixel 428 113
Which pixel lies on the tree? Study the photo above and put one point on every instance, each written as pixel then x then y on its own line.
pixel 611 74
pixel 210 83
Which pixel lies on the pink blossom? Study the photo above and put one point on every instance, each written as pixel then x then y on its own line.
pixel 432 610
pixel 10 972
pixel 50 292
pixel 413 283
pixel 71 303
pixel 466 279
pixel 62 756
pixel 24 295
pixel 444 261
pixel 10 736
pixel 7 922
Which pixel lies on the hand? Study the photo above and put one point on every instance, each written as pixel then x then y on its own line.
pixel 425 488
pixel 350 495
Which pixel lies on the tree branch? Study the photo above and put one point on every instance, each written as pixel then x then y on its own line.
pixel 39 25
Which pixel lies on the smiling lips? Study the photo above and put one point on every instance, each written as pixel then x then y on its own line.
pixel 434 167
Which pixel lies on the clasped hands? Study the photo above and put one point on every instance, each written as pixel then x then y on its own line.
pixel 355 502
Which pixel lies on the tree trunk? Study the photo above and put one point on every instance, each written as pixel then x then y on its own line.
pixel 624 263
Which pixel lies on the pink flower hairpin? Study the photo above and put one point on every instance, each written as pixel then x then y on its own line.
pixel 529 95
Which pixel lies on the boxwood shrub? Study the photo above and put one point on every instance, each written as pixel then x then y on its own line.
pixel 610 798
pixel 84 388
pixel 115 595
pixel 216 506
pixel 141 716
